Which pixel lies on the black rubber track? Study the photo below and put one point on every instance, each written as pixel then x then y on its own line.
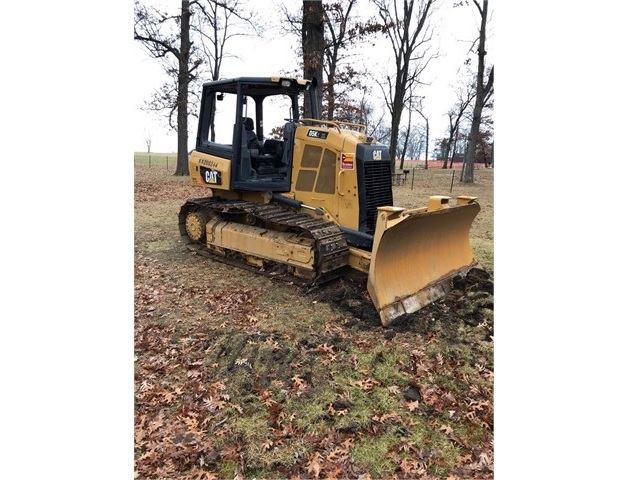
pixel 331 249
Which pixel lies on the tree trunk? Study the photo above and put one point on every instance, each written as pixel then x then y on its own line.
pixel 404 30
pixel 471 150
pixel 330 94
pixel 454 147
pixel 448 151
pixel 393 145
pixel 480 98
pixel 313 48
pixel 182 93
pixel 406 142
pixel 451 143
pixel 426 147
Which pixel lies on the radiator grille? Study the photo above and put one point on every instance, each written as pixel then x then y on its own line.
pixel 378 190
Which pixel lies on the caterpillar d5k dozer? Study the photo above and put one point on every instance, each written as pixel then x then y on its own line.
pixel 315 199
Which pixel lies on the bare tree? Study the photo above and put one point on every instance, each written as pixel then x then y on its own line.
pixel 168 38
pixel 415 104
pixel 485 147
pixel 417 143
pixel 148 138
pixel 339 33
pixel 454 148
pixel 405 134
pixel 461 141
pixel 313 48
pixel 156 31
pixel 484 91
pixel 217 23
pixel 340 76
pixel 343 31
pixel 374 119
pixel 465 96
pixel 406 27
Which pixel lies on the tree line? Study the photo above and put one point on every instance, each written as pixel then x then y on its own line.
pixel 192 44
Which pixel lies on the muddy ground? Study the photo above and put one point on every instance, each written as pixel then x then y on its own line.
pixel 470 302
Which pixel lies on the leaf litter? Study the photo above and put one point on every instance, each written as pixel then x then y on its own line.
pixel 240 376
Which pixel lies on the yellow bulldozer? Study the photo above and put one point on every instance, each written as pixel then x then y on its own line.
pixel 311 198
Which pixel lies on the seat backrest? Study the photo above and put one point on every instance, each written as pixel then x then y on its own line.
pixel 250 136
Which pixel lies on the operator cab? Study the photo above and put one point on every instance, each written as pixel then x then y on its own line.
pixel 251 121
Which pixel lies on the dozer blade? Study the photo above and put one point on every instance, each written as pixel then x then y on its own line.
pixel 416 253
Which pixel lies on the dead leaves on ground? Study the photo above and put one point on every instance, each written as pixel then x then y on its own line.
pixel 186 412
pixel 195 336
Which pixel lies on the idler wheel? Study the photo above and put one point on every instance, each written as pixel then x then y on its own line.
pixel 196 225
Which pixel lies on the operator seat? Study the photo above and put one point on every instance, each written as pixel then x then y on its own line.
pixel 250 135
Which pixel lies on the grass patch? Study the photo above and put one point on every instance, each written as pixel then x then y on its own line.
pixel 159 246
pixel 371 454
pixel 165 160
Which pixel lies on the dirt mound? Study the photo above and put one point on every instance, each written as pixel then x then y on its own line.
pixel 471 303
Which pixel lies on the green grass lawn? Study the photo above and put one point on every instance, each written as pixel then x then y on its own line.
pixel 166 160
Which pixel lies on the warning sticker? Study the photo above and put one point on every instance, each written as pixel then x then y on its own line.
pixel 347 161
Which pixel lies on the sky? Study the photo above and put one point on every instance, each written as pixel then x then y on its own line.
pixel 455 29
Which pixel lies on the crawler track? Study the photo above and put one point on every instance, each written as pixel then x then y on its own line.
pixel 331 249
